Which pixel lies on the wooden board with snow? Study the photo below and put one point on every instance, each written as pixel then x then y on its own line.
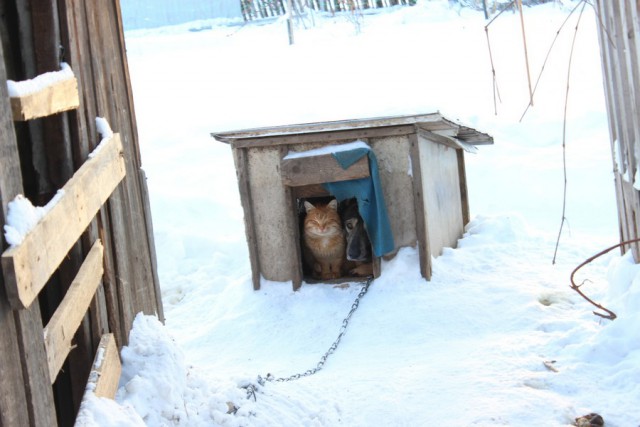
pixel 28 266
pixel 61 95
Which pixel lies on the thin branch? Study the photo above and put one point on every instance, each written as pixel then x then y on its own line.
pixel 526 54
pixel 496 91
pixel 535 87
pixel 493 72
pixel 564 136
pixel 500 13
pixel 610 314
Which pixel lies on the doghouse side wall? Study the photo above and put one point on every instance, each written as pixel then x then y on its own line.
pixel 272 219
pixel 442 197
pixel 394 165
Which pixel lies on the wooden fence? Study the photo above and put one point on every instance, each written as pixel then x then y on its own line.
pixel 28 265
pixel 72 288
pixel 257 9
pixel 619 31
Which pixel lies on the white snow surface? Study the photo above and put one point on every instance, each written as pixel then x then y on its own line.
pixel 465 349
pixel 105 132
pixel 23 216
pixel 40 82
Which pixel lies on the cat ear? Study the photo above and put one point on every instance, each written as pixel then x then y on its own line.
pixel 308 206
pixel 333 204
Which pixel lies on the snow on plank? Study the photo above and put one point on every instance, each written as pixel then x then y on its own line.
pixel 318 165
pixel 44 95
pixel 28 266
pixel 67 318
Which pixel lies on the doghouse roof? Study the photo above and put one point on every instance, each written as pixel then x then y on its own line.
pixel 356 128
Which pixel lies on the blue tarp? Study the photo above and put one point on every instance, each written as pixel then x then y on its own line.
pixel 368 192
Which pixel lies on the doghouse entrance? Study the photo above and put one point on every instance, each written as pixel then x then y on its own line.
pixel 305 173
pixel 356 262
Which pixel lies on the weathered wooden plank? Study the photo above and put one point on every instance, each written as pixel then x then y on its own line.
pixel 106 369
pixel 106 315
pixel 618 32
pixel 364 128
pixel 28 266
pixel 315 137
pixel 301 171
pixel 441 194
pixel 25 396
pixel 292 207
pixel 334 126
pixel 63 324
pixel 272 218
pixel 464 191
pixel 242 172
pixel 395 170
pixel 306 191
pixel 39 394
pixel 422 231
pixel 132 256
pixel 58 97
pixel 109 281
pixel 152 246
pixel 609 76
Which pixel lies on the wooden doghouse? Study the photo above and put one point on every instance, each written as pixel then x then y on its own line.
pixel 421 168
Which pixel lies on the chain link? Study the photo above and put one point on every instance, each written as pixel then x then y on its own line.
pixel 345 323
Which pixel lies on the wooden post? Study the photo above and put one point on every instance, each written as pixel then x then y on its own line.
pixel 26 398
pixel 422 231
pixel 290 20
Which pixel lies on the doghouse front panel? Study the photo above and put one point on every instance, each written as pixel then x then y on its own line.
pixel 394 166
pixel 442 199
pixel 273 222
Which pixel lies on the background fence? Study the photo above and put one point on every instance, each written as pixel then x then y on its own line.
pixel 257 9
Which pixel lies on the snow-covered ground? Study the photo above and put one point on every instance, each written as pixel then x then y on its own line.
pixel 467 348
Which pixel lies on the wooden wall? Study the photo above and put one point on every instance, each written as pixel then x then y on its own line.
pixel 619 30
pixel 37 158
pixel 441 182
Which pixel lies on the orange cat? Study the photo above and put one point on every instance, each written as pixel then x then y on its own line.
pixel 324 242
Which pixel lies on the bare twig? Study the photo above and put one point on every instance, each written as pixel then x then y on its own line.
pixel 526 55
pixel 610 314
pixel 535 87
pixel 496 92
pixel 564 137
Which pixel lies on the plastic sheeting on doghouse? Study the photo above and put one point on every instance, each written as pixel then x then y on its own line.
pixel 368 193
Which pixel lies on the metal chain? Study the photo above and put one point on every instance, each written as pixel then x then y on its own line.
pixel 251 389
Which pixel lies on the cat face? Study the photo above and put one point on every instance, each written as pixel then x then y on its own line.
pixel 322 220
